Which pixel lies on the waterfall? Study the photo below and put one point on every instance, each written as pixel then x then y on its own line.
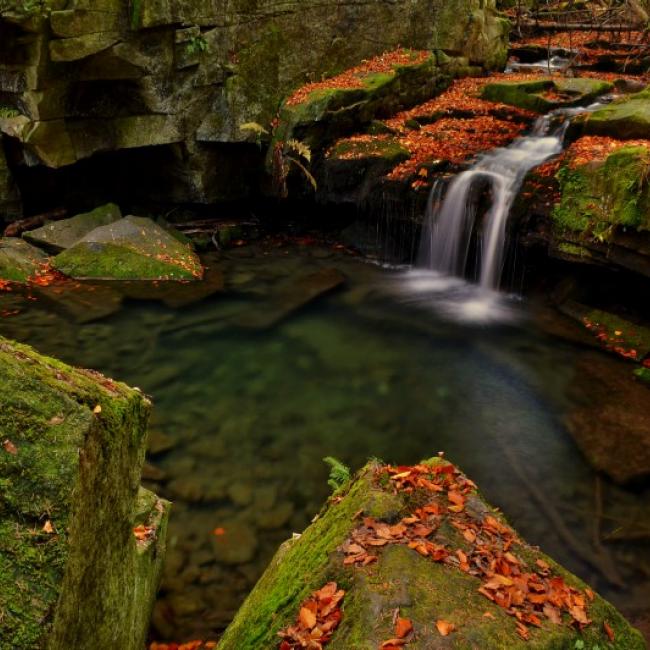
pixel 451 214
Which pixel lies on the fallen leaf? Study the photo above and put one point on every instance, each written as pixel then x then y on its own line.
pixel 307 618
pixel 9 447
pixel 218 532
pixel 97 410
pixel 609 631
pixel 403 627
pixel 48 528
pixel 57 419
pixel 445 627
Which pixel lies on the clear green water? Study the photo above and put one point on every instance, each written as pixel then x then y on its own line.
pixel 245 416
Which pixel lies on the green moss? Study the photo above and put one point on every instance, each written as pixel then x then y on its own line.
pixel 643 374
pixel 389 149
pixel 101 261
pixel 300 568
pixel 573 250
pixel 80 442
pixel 626 118
pixel 530 94
pixel 599 196
pixel 424 591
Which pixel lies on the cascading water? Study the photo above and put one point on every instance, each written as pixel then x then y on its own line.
pixel 450 220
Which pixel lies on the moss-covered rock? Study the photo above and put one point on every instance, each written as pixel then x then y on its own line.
pixel 422 589
pixel 544 95
pixel 72 573
pixel 19 260
pixel 601 195
pixel 133 248
pixel 626 118
pixel 59 235
pixel 342 107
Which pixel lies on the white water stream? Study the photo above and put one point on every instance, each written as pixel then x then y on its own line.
pixel 451 219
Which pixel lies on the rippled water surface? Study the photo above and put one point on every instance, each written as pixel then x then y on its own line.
pixel 250 396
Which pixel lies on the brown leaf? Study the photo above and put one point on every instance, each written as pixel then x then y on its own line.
pixel 445 627
pixel 48 528
pixel 57 419
pixel 403 627
pixel 609 631
pixel 552 613
pixel 9 447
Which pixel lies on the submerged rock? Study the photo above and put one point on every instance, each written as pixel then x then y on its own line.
pixel 57 236
pixel 293 295
pixel 544 95
pixel 421 544
pixel 133 248
pixel 81 545
pixel 19 260
pixel 610 421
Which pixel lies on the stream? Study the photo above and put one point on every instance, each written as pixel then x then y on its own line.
pixel 244 413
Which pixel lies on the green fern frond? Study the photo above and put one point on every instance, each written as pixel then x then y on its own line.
pixel 339 473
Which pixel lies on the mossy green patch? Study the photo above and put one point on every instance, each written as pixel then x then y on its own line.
pixel 76 443
pixel 19 260
pixel 545 94
pixel 626 118
pixel 599 196
pixel 388 149
pixel 643 374
pixel 421 589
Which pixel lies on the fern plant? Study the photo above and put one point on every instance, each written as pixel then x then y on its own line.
pixel 339 473
pixel 197 45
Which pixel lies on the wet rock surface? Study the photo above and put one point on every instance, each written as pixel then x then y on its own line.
pixel 241 425
pixel 19 260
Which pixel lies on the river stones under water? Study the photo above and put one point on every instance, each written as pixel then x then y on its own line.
pixel 236 543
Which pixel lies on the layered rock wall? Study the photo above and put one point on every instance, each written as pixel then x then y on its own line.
pixel 90 77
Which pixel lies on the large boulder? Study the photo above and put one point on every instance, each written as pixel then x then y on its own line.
pixel 81 544
pixel 19 260
pixel 419 557
pixel 133 248
pixel 59 235
pixel 628 117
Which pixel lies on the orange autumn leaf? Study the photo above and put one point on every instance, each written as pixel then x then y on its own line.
pixel 218 532
pixel 307 618
pixel 609 631
pixel 9 447
pixel 403 627
pixel 48 528
pixel 445 627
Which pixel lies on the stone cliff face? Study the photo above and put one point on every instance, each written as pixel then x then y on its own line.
pixel 83 77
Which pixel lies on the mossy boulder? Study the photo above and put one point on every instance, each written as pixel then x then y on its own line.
pixel 546 94
pixel 424 590
pixel 133 248
pixel 329 112
pixel 57 236
pixel 353 167
pixel 601 195
pixel 72 572
pixel 626 118
pixel 19 260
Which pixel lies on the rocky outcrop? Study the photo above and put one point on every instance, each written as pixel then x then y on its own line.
pixel 88 78
pixel 132 248
pixel 544 94
pixel 628 117
pixel 419 545
pixel 81 544
pixel 57 236
pixel 19 261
